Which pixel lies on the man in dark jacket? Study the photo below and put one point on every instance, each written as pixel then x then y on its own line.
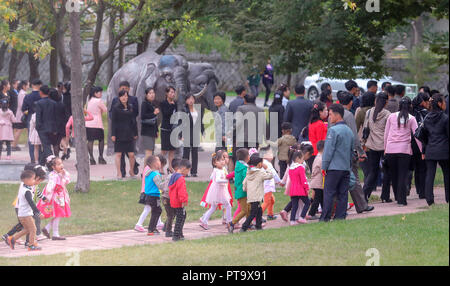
pixel 298 111
pixel 28 110
pixel 352 87
pixel 45 121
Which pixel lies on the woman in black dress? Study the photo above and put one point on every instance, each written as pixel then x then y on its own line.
pixel 277 107
pixel 149 121
pixel 168 108
pixel 124 131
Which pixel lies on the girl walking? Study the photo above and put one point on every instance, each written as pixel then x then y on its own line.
pixel 58 205
pixel 299 187
pixel 218 192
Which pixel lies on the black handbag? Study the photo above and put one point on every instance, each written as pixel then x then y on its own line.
pixel 421 132
pixel 366 129
pixel 152 122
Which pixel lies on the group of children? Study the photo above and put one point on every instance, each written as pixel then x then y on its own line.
pixel 255 181
pixel 52 203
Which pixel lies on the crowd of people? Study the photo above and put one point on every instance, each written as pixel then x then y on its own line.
pixel 320 148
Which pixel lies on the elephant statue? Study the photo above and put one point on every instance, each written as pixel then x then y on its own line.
pixel 161 71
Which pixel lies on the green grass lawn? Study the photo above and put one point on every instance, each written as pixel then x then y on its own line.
pixel 415 239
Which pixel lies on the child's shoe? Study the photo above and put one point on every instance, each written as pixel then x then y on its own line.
pixel 271 217
pixel 169 234
pixel 224 221
pixel 293 223
pixel 46 233
pixel 5 237
pixel 302 221
pixel 230 227
pixel 11 242
pixel 139 228
pixel 284 215
pixel 176 238
pixel 153 233
pixel 350 205
pixel 203 224
pixel 34 248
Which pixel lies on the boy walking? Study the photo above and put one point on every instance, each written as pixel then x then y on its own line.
pixel 179 197
pixel 240 172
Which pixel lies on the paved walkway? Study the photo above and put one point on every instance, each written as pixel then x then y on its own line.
pixel 191 231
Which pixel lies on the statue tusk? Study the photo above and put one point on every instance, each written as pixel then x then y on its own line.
pixel 201 93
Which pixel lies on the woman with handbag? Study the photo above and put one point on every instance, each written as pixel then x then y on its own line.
pixel 149 122
pixel 94 128
pixel 367 102
pixel 373 137
pixel 124 131
pixel 397 147
pixel 436 149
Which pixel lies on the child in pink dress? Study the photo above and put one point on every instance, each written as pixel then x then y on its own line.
pixel 58 205
pixel 6 129
pixel 298 187
pixel 218 193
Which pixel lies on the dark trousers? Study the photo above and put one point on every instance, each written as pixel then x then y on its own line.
pixel 294 201
pixel 336 184
pixel 318 200
pixel 268 87
pixel 179 223
pixel 170 212
pixel 398 172
pixel 386 188
pixel 8 147
pixel 123 166
pixel 429 180
pixel 255 212
pixel 155 204
pixel 186 154
pixel 373 164
pixel 46 143
pixel 283 167
pixel 420 173
pixel 357 194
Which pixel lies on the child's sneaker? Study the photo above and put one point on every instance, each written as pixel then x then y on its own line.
pixel 302 221
pixel 271 217
pixel 139 228
pixel 284 215
pixel 11 242
pixel 34 248
pixel 350 205
pixel 292 223
pixel 152 233
pixel 230 227
pixel 5 238
pixel 203 224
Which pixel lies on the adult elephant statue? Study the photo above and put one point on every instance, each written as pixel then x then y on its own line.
pixel 159 72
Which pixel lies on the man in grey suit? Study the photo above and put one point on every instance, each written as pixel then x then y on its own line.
pixel 298 111
pixel 249 119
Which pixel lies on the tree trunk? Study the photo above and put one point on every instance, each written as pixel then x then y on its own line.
pixel 112 23
pixel 14 62
pixel 121 43
pixel 143 45
pixel 167 43
pixel 34 67
pixel 53 63
pixel 83 179
pixel 3 50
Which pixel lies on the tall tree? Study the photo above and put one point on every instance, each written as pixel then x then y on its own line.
pixel 83 173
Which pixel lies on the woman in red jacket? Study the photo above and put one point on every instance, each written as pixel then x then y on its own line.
pixel 317 127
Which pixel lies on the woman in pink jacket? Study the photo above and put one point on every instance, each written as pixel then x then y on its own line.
pixel 400 127
pixel 298 187
pixel 94 128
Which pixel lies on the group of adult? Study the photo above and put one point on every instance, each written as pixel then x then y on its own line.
pixel 385 127
pixel 47 114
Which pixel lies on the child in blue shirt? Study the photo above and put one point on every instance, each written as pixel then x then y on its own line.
pixel 153 184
